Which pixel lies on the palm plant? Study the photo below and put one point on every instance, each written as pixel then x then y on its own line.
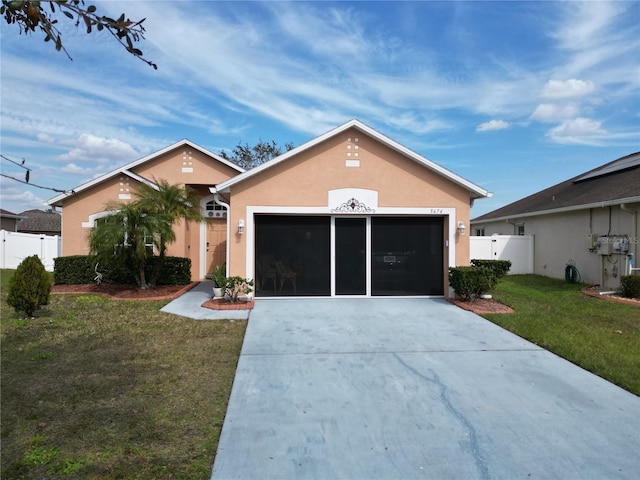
pixel 130 234
pixel 132 231
pixel 170 203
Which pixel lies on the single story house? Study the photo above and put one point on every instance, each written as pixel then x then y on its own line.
pixel 9 220
pixel 590 220
pixel 351 212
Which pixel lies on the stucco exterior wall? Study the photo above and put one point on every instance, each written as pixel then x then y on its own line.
pixel 305 180
pixel 562 237
pixel 185 166
pixel 200 172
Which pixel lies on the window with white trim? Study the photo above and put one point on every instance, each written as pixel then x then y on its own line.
pixel 213 210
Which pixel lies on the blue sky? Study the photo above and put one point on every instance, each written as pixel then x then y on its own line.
pixel 513 96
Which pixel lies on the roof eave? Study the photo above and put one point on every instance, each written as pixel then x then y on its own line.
pixel 570 208
pixel 56 201
pixel 475 190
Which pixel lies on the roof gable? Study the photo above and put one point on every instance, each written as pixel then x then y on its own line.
pixel 475 190
pixel 127 169
pixel 612 183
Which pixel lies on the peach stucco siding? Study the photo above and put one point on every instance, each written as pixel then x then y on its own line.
pixel 306 179
pixel 310 180
pixel 182 166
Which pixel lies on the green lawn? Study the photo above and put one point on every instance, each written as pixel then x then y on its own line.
pixel 95 388
pixel 600 336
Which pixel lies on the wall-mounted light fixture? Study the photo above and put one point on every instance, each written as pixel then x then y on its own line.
pixel 461 227
pixel 240 226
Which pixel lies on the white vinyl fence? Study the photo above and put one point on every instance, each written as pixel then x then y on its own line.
pixel 15 247
pixel 516 248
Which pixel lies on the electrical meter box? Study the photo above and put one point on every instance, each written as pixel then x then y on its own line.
pixel 592 239
pixel 605 248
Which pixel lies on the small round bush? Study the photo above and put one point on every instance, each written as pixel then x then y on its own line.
pixel 630 286
pixel 30 286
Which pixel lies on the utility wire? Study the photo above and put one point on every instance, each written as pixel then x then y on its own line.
pixel 26 177
pixel 21 164
pixel 37 186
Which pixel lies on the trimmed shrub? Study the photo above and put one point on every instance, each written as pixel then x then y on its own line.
pixel 30 286
pixel 471 282
pixel 79 269
pixel 175 271
pixel 499 267
pixel 630 286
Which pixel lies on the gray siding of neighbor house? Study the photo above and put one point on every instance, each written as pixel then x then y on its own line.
pixel 561 237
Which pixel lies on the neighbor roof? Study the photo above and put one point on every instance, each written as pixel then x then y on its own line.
pixel 609 184
pixel 7 214
pixel 126 170
pixel 39 221
pixel 475 190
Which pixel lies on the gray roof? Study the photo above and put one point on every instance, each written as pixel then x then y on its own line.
pixel 7 214
pixel 614 182
pixel 39 221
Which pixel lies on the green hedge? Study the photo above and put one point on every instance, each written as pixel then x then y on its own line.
pixel 630 286
pixel 476 280
pixel 499 267
pixel 78 269
pixel 471 282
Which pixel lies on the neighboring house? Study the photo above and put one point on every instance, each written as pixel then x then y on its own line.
pixel 351 212
pixel 39 222
pixel 590 220
pixel 9 220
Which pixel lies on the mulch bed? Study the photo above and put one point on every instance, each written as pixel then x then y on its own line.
pixel 125 292
pixel 483 305
pixel 594 291
pixel 221 304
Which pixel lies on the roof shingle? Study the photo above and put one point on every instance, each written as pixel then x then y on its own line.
pixel 607 183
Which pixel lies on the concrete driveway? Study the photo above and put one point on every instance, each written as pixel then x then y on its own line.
pixel 414 388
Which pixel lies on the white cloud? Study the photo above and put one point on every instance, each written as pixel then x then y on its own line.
pixel 15 198
pixel 580 130
pixel 585 23
pixel 92 149
pixel 492 125
pixel 74 169
pixel 550 112
pixel 45 138
pixel 558 89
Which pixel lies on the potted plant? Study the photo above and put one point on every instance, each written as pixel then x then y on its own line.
pixel 219 280
pixel 238 288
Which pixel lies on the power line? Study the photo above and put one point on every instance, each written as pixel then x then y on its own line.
pixel 21 164
pixel 37 186
pixel 26 177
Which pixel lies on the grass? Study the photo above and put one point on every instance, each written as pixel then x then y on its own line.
pixel 600 336
pixel 95 388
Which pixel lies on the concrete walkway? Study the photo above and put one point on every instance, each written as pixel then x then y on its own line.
pixel 414 388
pixel 189 305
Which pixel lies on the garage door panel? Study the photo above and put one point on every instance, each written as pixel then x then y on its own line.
pixel 292 255
pixel 407 256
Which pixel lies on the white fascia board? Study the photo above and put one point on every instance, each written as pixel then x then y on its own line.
pixel 476 191
pixel 126 169
pixel 572 208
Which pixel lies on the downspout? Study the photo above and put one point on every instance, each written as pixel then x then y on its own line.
pixel 512 224
pixel 217 200
pixel 634 234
